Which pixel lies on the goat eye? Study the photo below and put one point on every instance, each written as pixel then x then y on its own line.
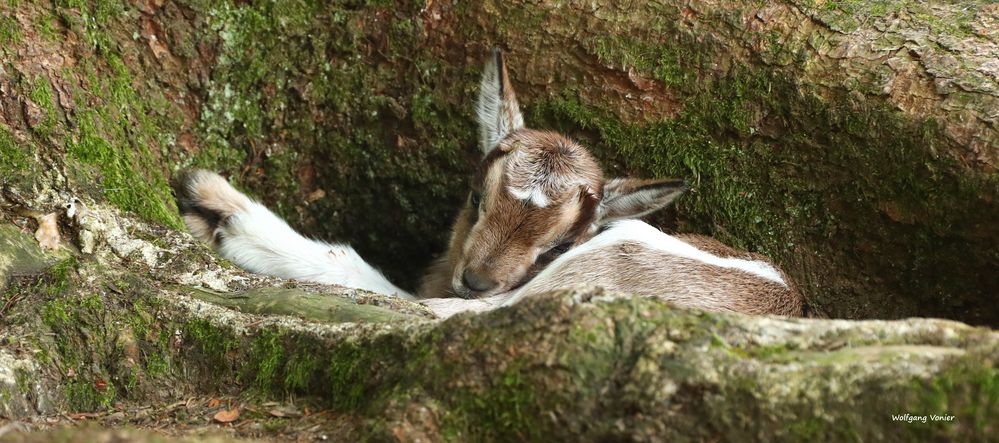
pixel 476 199
pixel 561 248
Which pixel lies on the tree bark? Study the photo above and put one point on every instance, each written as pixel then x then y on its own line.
pixel 855 143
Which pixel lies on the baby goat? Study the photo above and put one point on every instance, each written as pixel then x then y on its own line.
pixel 540 216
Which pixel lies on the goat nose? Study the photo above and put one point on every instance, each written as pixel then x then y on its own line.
pixel 476 282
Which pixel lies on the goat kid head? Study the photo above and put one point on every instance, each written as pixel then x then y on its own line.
pixel 536 194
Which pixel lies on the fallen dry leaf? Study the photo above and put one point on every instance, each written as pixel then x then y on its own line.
pixel 214 402
pixel 48 231
pixel 315 195
pixel 227 415
pixel 639 81
pixel 284 411
pixel 84 415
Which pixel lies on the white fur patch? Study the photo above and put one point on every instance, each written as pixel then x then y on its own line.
pixel 637 231
pixel 446 307
pixel 534 195
pixel 259 241
pixel 532 177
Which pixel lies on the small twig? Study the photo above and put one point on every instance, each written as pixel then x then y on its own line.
pixel 9 304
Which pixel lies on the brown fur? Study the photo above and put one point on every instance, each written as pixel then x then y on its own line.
pixel 206 200
pixel 541 193
pixel 502 240
pixel 634 268
pixel 540 189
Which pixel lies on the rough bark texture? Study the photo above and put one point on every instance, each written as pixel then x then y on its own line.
pixel 854 142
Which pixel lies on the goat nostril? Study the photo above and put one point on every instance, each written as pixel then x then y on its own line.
pixel 476 282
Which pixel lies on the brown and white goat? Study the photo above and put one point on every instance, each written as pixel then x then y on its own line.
pixel 540 216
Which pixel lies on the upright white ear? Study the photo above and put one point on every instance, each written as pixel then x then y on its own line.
pixel 633 198
pixel 498 111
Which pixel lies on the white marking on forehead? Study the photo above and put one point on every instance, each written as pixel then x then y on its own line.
pixel 534 195
pixel 536 180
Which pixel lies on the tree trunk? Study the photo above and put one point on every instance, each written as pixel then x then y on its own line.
pixel 855 143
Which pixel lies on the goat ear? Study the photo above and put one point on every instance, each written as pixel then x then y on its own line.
pixel 632 198
pixel 498 111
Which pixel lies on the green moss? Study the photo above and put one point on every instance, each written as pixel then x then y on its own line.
pixel 10 31
pixel 76 322
pixel 276 363
pixel 300 372
pixel 771 351
pixel 104 341
pixel 85 395
pixel 104 10
pixel 663 61
pixel 851 15
pixel 969 391
pixel 112 135
pixel 352 377
pixel 347 376
pixel 61 313
pixel 93 19
pixel 719 342
pixel 22 381
pixel 47 27
pixel 123 182
pixel 139 319
pixel 269 358
pixel 157 365
pixel 212 343
pixel 56 313
pixel 16 159
pixel 772 195
pixel 810 429
pixel 382 139
pixel 507 410
pixel 42 96
pixel 72 4
pixel 54 284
